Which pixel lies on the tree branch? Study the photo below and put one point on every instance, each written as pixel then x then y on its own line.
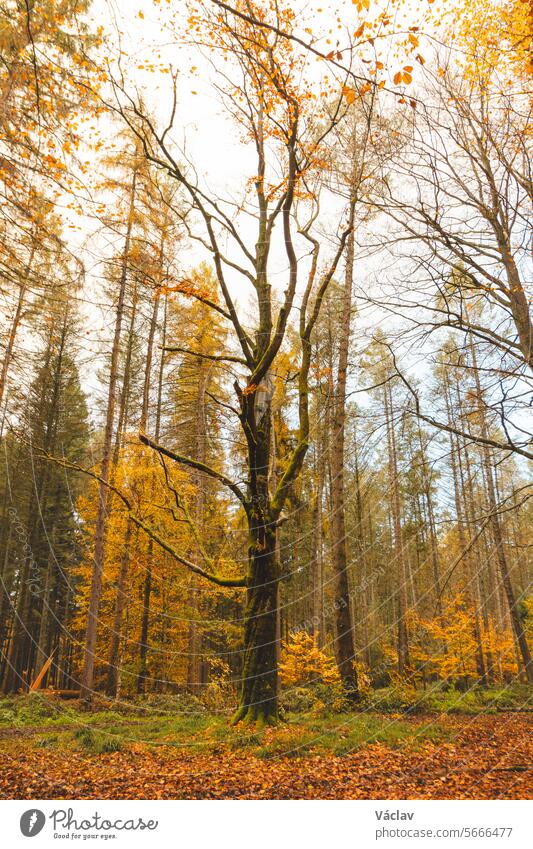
pixel 215 579
pixel 200 467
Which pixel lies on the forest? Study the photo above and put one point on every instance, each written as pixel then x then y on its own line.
pixel 266 379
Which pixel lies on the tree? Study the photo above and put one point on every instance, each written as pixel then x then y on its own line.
pixel 272 105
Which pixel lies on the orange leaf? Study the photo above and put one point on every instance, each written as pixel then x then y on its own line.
pixel 349 94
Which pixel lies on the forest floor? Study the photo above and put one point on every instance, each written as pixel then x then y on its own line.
pixel 70 754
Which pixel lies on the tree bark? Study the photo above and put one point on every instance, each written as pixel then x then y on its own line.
pixel 344 640
pixel 399 553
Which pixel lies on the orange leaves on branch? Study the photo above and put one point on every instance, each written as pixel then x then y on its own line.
pixel 187 287
pixel 250 389
pixel 334 54
pixel 349 94
pixel 404 76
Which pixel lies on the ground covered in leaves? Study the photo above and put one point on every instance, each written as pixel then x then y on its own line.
pixel 66 754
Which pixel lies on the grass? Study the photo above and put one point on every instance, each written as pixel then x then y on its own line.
pixel 97 743
pixel 393 717
pixel 439 699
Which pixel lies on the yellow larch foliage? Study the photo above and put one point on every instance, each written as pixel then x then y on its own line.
pixel 303 662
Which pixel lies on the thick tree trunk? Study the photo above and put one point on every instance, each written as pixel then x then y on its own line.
pixel 259 690
pixel 259 693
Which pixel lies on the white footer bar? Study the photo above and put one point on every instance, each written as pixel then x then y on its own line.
pixel 267 824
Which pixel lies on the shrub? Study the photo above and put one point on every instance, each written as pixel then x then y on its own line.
pixel 303 662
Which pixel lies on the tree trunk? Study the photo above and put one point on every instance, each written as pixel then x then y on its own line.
pixel 344 642
pixel 145 622
pixel 8 355
pixel 200 454
pixel 458 486
pixel 259 694
pixel 518 627
pixel 120 599
pixel 87 678
pixel 403 636
pixel 120 602
pixel 147 590
pixel 259 691
pixel 317 565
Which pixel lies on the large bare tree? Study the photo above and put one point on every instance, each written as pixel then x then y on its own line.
pixel 265 91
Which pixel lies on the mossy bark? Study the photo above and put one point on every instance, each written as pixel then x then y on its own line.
pixel 259 699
